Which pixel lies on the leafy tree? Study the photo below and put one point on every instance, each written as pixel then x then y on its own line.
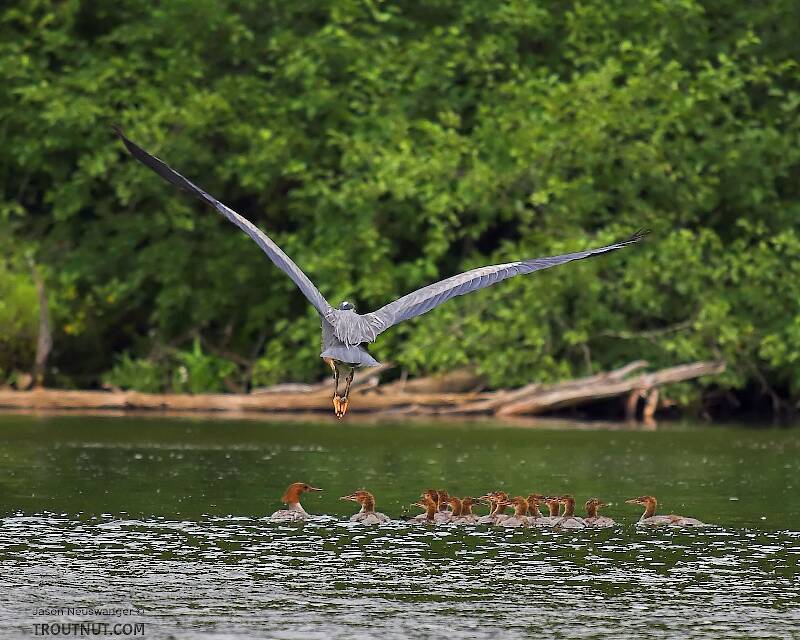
pixel 387 144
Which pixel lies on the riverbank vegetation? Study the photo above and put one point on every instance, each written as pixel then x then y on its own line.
pixel 384 145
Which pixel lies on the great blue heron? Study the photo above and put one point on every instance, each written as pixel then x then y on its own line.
pixel 345 332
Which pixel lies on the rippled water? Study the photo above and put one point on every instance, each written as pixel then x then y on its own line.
pixel 166 517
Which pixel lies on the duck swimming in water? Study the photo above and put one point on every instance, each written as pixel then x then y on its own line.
pixel 461 510
pixel 294 511
pixel 568 519
pixel 594 520
pixel 650 519
pixel 367 515
pixel 466 510
pixel 429 505
pixel 551 520
pixel 497 506
pixel 443 516
pixel 519 519
pixel 535 518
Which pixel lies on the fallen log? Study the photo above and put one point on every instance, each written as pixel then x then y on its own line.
pixel 531 399
pixel 560 396
pixel 459 380
pixel 132 400
pixel 501 398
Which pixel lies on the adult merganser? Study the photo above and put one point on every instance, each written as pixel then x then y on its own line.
pixel 367 515
pixel 649 518
pixel 594 520
pixel 294 511
pixel 519 519
pixel 568 519
pixel 535 517
pixel 427 503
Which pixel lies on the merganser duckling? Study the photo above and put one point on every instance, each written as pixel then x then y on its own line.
pixel 551 520
pixel 650 519
pixel 461 510
pixel 519 519
pixel 466 510
pixel 568 519
pixel 367 515
pixel 294 511
pixel 494 498
pixel 535 517
pixel 490 500
pixel 442 516
pixel 427 503
pixel 594 520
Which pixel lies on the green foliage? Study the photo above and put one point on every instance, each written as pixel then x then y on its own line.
pixel 139 374
pixel 19 309
pixel 384 145
pixel 198 372
pixel 190 371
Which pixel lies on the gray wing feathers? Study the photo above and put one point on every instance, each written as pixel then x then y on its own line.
pixel 368 326
pixel 273 251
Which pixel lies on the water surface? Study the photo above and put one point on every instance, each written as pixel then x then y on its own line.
pixel 165 516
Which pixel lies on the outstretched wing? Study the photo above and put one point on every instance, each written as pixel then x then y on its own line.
pixel 273 251
pixel 353 329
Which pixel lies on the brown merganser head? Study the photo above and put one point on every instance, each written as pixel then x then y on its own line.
pixel 455 505
pixel 519 503
pixel 364 498
pixel 569 505
pixel 592 505
pixel 427 503
pixel 534 500
pixel 648 502
pixel 443 497
pixel 294 491
pixel 466 505
pixel 553 504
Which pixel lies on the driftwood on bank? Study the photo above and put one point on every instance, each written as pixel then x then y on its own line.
pixel 421 398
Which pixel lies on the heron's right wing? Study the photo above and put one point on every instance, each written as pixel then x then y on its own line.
pixel 354 329
pixel 273 251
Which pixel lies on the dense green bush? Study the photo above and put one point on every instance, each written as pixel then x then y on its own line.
pixel 19 309
pixel 387 144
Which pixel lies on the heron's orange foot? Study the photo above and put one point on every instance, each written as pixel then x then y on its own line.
pixel 337 405
pixel 342 408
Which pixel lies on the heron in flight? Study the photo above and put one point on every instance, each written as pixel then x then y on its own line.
pixel 345 332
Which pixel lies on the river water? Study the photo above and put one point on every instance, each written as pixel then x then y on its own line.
pixel 156 526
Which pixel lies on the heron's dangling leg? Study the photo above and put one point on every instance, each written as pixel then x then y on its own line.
pixel 336 399
pixel 345 398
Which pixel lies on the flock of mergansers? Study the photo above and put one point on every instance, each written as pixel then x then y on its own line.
pixel 442 508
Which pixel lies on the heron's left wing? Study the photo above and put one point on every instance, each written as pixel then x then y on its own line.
pixel 273 251
pixel 365 328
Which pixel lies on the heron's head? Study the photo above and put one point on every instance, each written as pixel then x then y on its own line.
pixel 347 306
